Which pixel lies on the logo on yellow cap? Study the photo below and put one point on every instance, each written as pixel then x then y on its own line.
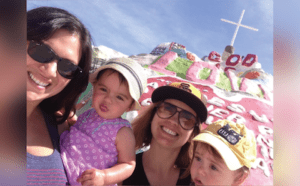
pixel 187 87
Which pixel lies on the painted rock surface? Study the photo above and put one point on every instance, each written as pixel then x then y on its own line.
pixel 255 113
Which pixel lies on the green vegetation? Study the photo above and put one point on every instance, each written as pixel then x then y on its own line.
pixel 261 94
pixel 224 82
pixel 88 88
pixel 204 73
pixel 239 81
pixel 159 73
pixel 95 52
pixel 179 66
pixel 156 59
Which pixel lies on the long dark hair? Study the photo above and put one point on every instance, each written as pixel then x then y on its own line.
pixel 42 23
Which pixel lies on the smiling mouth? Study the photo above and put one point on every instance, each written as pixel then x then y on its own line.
pixel 38 82
pixel 169 131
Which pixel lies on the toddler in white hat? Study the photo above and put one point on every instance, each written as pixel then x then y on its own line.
pixel 99 148
pixel 224 153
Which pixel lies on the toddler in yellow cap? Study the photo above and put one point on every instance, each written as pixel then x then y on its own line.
pixel 224 153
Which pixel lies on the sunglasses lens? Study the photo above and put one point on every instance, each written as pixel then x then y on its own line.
pixel 166 110
pixel 67 69
pixel 187 120
pixel 40 52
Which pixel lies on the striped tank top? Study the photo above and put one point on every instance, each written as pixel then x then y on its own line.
pixel 47 170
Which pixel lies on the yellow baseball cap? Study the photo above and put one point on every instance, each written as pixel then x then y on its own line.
pixel 184 92
pixel 234 142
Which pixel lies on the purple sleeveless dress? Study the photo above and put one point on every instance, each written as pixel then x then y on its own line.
pixel 90 143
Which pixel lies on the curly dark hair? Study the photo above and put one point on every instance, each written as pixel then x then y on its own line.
pixel 42 23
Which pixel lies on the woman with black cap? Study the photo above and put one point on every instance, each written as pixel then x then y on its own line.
pixel 168 126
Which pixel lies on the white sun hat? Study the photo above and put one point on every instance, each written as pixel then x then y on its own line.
pixel 133 72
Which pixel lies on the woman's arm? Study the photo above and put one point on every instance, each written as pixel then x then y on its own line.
pixel 125 143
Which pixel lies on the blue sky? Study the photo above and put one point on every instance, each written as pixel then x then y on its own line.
pixel 133 27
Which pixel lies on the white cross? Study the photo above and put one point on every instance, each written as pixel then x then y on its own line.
pixel 237 27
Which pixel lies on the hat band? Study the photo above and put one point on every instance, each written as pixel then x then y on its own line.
pixel 132 72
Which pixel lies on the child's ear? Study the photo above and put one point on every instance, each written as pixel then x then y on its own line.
pixel 241 178
pixel 131 106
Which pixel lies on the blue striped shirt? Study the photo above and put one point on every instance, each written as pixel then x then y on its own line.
pixel 47 170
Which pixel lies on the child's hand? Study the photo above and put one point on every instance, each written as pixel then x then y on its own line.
pixel 125 144
pixel 71 120
pixel 92 177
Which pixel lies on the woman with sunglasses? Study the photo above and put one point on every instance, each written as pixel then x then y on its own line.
pixel 59 55
pixel 168 126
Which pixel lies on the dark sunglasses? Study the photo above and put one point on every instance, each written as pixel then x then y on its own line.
pixel 186 119
pixel 43 53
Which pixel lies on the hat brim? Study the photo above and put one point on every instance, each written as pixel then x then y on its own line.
pixel 127 76
pixel 169 92
pixel 228 156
